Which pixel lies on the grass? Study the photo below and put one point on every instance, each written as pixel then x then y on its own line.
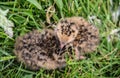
pixel 29 14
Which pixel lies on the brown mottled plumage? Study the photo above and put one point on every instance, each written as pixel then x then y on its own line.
pixel 39 50
pixel 82 35
pixel 66 31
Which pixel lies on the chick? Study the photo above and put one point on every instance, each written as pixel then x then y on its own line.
pixel 39 50
pixel 77 32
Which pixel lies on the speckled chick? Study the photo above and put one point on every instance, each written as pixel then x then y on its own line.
pixel 39 50
pixel 76 31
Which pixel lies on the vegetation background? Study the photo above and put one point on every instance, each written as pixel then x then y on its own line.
pixel 31 14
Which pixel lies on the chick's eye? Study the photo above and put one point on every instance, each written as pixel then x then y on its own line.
pixel 73 31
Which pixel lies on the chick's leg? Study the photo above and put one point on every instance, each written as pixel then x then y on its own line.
pixel 78 55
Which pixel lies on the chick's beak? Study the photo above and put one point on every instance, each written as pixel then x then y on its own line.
pixel 62 45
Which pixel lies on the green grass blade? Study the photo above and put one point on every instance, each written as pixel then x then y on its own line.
pixel 34 2
pixel 6 58
pixel 59 4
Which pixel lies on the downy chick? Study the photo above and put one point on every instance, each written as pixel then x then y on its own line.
pixel 39 50
pixel 76 31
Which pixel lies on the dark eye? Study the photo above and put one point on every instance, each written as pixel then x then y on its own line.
pixel 73 31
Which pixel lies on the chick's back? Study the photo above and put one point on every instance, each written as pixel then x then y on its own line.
pixel 39 50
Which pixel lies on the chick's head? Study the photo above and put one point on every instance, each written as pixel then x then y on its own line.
pixel 66 32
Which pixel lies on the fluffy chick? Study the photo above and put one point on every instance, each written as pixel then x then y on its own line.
pixel 76 31
pixel 39 50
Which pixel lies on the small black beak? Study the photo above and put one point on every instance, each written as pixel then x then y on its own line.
pixel 62 44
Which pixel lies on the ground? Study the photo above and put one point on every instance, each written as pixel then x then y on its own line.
pixel 31 14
